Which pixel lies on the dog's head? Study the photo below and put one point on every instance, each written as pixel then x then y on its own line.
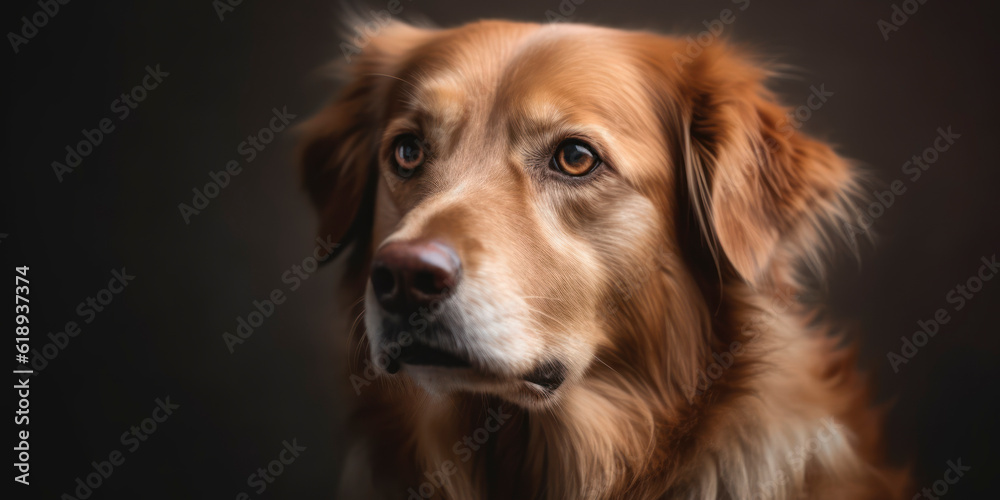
pixel 510 186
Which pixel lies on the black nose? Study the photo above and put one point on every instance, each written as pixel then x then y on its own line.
pixel 410 274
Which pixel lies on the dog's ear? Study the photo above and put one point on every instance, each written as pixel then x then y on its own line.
pixel 337 152
pixel 765 194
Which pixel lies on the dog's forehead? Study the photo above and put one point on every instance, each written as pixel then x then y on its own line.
pixel 536 74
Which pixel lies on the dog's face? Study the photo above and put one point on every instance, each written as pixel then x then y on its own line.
pixel 525 180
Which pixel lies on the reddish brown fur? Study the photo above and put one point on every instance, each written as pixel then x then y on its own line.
pixel 690 244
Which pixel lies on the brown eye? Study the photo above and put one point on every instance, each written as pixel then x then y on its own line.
pixel 574 157
pixel 409 152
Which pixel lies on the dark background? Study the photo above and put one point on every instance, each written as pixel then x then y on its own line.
pixel 162 335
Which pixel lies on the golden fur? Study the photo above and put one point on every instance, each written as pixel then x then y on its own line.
pixel 685 251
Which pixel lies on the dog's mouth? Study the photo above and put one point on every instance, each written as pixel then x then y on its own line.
pixel 548 375
pixel 460 366
pixel 420 354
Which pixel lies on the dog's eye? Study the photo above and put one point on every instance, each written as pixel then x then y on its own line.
pixel 409 153
pixel 574 157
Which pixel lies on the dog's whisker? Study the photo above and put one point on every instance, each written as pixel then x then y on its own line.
pixel 350 339
pixel 608 366
pixel 544 298
pixel 559 322
pixel 394 77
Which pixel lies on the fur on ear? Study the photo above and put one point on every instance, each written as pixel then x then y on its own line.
pixel 765 194
pixel 337 152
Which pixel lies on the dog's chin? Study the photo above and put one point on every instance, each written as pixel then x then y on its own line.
pixel 537 389
pixel 442 370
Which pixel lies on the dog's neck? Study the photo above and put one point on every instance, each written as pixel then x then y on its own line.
pixel 581 447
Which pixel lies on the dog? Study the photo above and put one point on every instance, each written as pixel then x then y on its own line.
pixel 578 254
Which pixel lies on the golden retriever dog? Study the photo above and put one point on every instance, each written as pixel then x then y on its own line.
pixel 578 255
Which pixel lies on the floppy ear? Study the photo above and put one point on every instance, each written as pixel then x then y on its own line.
pixel 765 194
pixel 337 153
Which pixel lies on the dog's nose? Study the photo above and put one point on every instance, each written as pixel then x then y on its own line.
pixel 409 274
